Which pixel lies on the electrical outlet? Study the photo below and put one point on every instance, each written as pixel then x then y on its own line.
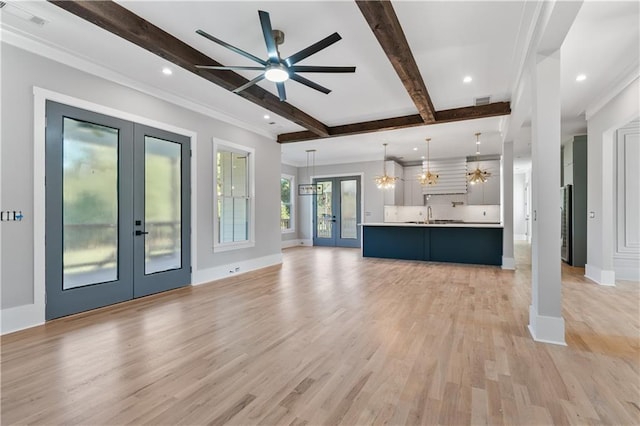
pixel 237 268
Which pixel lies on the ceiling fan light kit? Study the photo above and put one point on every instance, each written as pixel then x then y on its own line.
pixel 478 175
pixel 276 73
pixel 276 69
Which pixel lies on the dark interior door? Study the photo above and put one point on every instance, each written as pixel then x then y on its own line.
pixel 117 210
pixel 336 212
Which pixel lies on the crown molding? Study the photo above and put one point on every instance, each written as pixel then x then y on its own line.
pixel 17 38
pixel 628 77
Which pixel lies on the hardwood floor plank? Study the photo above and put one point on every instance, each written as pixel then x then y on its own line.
pixel 333 338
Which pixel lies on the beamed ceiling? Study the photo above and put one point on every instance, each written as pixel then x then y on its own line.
pixel 382 20
pixel 410 59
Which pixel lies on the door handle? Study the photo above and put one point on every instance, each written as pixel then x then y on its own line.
pixel 141 233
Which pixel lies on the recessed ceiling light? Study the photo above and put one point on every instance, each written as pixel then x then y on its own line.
pixel 581 77
pixel 167 71
pixel 415 149
pixel 266 116
pixel 467 79
pixel 422 157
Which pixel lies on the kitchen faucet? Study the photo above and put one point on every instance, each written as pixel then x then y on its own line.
pixel 429 215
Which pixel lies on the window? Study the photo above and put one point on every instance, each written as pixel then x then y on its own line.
pixel 287 212
pixel 234 202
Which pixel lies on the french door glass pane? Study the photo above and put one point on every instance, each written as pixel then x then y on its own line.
pixel 348 209
pixel 324 211
pixel 162 205
pixel 90 203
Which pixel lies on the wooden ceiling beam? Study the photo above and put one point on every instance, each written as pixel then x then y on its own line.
pixel 472 112
pixel 444 116
pixel 385 25
pixel 131 27
pixel 357 128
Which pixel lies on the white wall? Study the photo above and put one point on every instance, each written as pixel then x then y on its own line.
pixel 601 128
pixel 21 71
pixel 519 206
pixel 626 258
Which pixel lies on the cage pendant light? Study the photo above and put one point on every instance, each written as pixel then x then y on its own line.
pixel 385 181
pixel 478 175
pixel 427 178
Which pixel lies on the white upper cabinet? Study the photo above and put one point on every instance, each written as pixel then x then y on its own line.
pixel 412 188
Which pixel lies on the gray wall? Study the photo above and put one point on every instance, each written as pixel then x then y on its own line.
pixel 22 70
pixel 293 171
pixel 372 210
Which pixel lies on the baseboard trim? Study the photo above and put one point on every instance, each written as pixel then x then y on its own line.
pixel 600 276
pixel 520 237
pixel 291 243
pixel 508 263
pixel 204 276
pixel 546 329
pixel 21 317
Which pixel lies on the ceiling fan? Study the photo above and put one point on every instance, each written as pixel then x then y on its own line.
pixel 275 68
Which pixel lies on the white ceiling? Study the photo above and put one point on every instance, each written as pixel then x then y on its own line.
pixel 485 40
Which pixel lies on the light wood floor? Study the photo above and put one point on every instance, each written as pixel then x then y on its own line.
pixel 332 338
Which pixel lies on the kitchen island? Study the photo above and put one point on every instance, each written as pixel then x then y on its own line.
pixel 477 243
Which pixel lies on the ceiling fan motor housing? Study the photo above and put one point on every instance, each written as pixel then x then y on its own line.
pixel 278 36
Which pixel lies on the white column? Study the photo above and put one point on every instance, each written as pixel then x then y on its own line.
pixel 545 313
pixel 508 261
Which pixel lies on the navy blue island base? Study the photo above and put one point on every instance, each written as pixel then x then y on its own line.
pixel 459 244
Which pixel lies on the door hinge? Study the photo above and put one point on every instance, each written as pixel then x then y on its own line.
pixel 190 153
pixel 190 269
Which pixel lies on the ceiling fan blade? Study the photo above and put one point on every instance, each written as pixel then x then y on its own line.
pixel 305 68
pixel 314 48
pixel 230 47
pixel 233 67
pixel 310 83
pixel 281 92
pixel 249 84
pixel 267 32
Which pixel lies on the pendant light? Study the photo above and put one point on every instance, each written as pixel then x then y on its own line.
pixel 428 178
pixel 385 181
pixel 310 188
pixel 478 175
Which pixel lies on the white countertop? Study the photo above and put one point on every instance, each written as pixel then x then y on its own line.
pixel 435 225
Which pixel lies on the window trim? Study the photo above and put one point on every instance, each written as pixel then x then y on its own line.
pixel 223 145
pixel 292 202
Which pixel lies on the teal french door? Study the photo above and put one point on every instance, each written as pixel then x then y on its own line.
pixel 336 212
pixel 117 210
